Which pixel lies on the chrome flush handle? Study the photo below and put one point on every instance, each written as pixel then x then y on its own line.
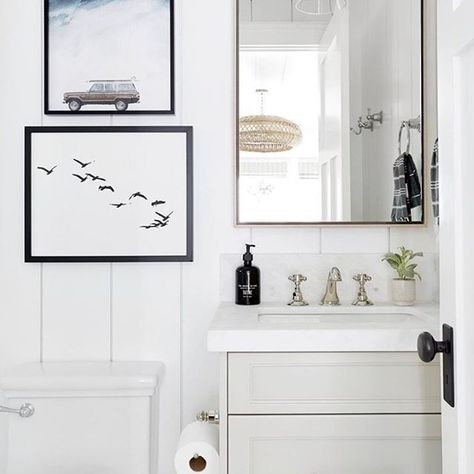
pixel 25 411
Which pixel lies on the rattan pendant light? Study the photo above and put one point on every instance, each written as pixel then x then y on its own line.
pixel 267 133
pixel 319 7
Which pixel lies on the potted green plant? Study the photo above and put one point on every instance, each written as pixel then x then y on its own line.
pixel 404 287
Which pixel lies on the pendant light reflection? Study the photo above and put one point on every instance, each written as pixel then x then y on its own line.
pixel 267 133
pixel 319 7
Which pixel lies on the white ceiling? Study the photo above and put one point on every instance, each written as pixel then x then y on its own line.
pixel 278 10
pixel 278 23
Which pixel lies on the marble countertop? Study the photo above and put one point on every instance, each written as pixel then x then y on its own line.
pixel 282 328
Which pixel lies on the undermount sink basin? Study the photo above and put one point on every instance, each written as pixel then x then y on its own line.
pixel 338 315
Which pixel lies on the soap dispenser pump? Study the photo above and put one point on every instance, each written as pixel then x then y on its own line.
pixel 247 281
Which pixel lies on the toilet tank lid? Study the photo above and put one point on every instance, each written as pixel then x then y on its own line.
pixel 83 376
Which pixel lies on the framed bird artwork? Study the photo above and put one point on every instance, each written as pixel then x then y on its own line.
pixel 108 194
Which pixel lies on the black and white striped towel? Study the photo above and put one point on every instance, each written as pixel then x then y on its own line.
pixel 407 188
pixel 434 172
pixel 400 208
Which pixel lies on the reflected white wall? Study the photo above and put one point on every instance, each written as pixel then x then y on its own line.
pixel 385 75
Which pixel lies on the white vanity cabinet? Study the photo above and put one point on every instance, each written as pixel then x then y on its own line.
pixel 330 413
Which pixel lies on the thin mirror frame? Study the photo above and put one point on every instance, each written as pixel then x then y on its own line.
pixel 424 147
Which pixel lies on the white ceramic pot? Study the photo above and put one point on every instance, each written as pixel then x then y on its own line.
pixel 404 292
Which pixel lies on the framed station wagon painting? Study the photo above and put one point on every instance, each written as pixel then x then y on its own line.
pixel 108 194
pixel 109 56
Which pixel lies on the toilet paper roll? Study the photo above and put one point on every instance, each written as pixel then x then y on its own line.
pixel 198 449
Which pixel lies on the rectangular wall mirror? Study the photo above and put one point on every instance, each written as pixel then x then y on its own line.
pixel 330 100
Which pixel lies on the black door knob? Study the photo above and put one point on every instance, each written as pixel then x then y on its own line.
pixel 428 347
pixel 427 350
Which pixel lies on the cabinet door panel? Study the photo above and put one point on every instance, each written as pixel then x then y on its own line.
pixel 315 383
pixel 335 444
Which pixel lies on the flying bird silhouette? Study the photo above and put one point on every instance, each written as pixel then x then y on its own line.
pixel 119 205
pixel 95 178
pixel 106 188
pixel 138 194
pixel 165 218
pixel 47 171
pixel 83 165
pixel 157 203
pixel 82 178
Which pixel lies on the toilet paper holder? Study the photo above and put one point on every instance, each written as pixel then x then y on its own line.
pixel 208 416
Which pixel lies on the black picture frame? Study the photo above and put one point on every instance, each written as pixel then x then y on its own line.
pixel 28 235
pixel 46 74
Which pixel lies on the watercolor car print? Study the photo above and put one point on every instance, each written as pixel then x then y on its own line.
pixel 119 93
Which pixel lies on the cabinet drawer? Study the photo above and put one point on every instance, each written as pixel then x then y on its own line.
pixel 291 383
pixel 335 444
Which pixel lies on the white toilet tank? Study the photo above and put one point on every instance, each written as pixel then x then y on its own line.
pixel 89 418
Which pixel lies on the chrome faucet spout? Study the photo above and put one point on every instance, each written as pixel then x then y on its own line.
pixel 331 297
pixel 335 274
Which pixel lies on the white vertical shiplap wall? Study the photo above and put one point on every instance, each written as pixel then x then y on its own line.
pixel 385 60
pixel 148 311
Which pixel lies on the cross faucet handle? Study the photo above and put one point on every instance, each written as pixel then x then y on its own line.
pixel 362 298
pixel 362 278
pixel 297 299
pixel 297 279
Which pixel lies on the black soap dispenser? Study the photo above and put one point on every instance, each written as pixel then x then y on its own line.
pixel 247 281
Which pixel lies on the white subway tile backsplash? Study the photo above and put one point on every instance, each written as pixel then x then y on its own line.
pixel 423 240
pixel 286 240
pixel 337 240
pixel 277 288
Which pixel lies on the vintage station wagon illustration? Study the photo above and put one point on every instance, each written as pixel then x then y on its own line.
pixel 120 93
